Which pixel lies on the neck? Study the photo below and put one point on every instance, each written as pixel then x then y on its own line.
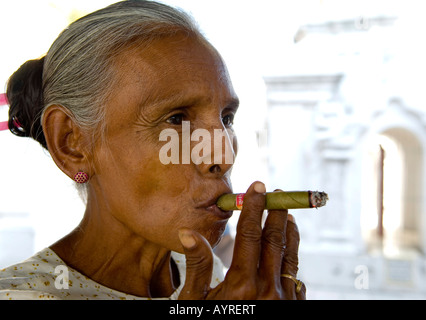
pixel 102 249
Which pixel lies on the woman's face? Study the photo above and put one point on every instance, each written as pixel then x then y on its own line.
pixel 175 79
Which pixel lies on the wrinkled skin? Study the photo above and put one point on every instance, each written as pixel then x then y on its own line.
pixel 139 209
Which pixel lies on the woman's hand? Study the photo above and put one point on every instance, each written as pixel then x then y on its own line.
pixel 261 257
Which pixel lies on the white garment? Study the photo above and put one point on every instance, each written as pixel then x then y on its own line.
pixel 44 276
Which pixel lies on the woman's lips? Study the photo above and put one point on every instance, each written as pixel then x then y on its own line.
pixel 209 202
pixel 214 209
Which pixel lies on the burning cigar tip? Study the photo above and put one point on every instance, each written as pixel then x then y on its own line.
pixel 277 200
pixel 318 199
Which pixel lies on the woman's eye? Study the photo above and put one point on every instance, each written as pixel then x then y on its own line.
pixel 176 119
pixel 228 120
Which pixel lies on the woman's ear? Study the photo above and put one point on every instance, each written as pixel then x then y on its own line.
pixel 65 140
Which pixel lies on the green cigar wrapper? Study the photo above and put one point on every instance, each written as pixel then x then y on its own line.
pixel 277 200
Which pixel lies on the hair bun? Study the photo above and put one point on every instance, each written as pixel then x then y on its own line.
pixel 25 95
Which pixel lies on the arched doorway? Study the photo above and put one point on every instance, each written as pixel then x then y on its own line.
pixel 392 190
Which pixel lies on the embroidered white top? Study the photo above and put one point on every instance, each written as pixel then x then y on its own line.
pixel 46 276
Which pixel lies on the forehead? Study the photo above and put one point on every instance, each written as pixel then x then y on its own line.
pixel 178 67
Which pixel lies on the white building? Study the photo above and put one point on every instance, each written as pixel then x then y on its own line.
pixel 346 87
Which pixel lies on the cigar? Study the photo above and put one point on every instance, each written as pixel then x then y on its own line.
pixel 277 200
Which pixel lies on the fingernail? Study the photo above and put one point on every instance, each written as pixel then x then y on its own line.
pixel 291 218
pixel 259 187
pixel 187 239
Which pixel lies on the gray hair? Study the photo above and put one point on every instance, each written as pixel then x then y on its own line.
pixel 77 72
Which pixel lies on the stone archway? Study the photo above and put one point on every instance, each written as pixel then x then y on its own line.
pixel 396 208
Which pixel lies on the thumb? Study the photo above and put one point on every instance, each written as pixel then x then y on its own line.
pixel 199 265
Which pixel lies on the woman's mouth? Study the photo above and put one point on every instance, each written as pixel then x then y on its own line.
pixel 214 209
pixel 209 205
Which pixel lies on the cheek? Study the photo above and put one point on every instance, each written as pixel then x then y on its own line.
pixel 154 179
pixel 151 199
pixel 166 205
pixel 133 180
pixel 156 196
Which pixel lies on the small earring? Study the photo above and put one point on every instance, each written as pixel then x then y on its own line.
pixel 81 177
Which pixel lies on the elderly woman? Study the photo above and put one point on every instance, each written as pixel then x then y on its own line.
pixel 99 101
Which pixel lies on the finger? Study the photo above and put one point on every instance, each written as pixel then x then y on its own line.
pixel 199 265
pixel 273 243
pixel 291 253
pixel 291 260
pixel 249 232
pixel 273 240
pixel 301 295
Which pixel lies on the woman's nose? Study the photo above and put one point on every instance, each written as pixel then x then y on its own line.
pixel 223 150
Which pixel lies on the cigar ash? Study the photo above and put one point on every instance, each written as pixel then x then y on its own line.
pixel 318 199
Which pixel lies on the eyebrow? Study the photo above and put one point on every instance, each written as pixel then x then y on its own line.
pixel 180 99
pixel 233 104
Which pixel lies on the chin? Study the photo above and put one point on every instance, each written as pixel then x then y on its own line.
pixel 213 235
